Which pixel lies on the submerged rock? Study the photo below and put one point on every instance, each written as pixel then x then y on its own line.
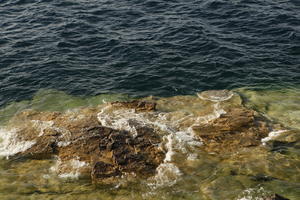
pixel 274 197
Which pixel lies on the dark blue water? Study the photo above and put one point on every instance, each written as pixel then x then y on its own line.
pixel 88 47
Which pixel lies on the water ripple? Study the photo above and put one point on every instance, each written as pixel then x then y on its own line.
pixel 150 47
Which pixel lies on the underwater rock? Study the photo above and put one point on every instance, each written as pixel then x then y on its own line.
pixel 237 128
pixel 274 197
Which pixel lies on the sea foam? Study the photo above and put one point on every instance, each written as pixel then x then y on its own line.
pixel 10 144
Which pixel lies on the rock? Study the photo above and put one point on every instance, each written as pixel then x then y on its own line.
pixel 83 146
pixel 140 106
pixel 116 151
pixel 274 197
pixel 105 171
pixel 105 143
pixel 238 128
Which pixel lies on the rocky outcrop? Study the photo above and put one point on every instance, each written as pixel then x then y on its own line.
pixel 83 146
pixel 111 153
pixel 129 139
pixel 238 128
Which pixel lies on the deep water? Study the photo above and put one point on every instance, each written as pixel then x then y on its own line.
pixel 148 47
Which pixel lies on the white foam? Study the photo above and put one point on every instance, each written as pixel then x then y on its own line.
pixel 63 143
pixel 272 135
pixel 166 175
pixel 10 144
pixel 73 167
pixel 42 125
pixel 121 120
pixel 215 96
pixel 169 147
pixel 174 140
pixel 217 112
pixel 253 194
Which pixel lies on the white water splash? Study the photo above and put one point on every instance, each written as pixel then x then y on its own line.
pixel 10 144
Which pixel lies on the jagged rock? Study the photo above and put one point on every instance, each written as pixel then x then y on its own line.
pixel 238 128
pixel 116 151
pixel 84 146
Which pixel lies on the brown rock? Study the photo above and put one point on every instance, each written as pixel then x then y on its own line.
pixel 238 128
pixel 84 146
pixel 105 171
pixel 139 106
pixel 113 153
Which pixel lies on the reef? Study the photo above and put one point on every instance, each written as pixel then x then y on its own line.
pixel 83 146
pixel 136 138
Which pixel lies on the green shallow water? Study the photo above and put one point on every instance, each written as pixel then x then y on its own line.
pixel 54 100
pixel 243 175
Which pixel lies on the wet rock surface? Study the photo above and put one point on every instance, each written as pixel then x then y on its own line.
pixel 80 141
pixel 95 143
pixel 237 128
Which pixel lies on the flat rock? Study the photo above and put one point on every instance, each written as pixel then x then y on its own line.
pixel 237 128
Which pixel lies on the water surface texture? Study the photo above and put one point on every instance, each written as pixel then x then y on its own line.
pixel 71 57
pixel 146 47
